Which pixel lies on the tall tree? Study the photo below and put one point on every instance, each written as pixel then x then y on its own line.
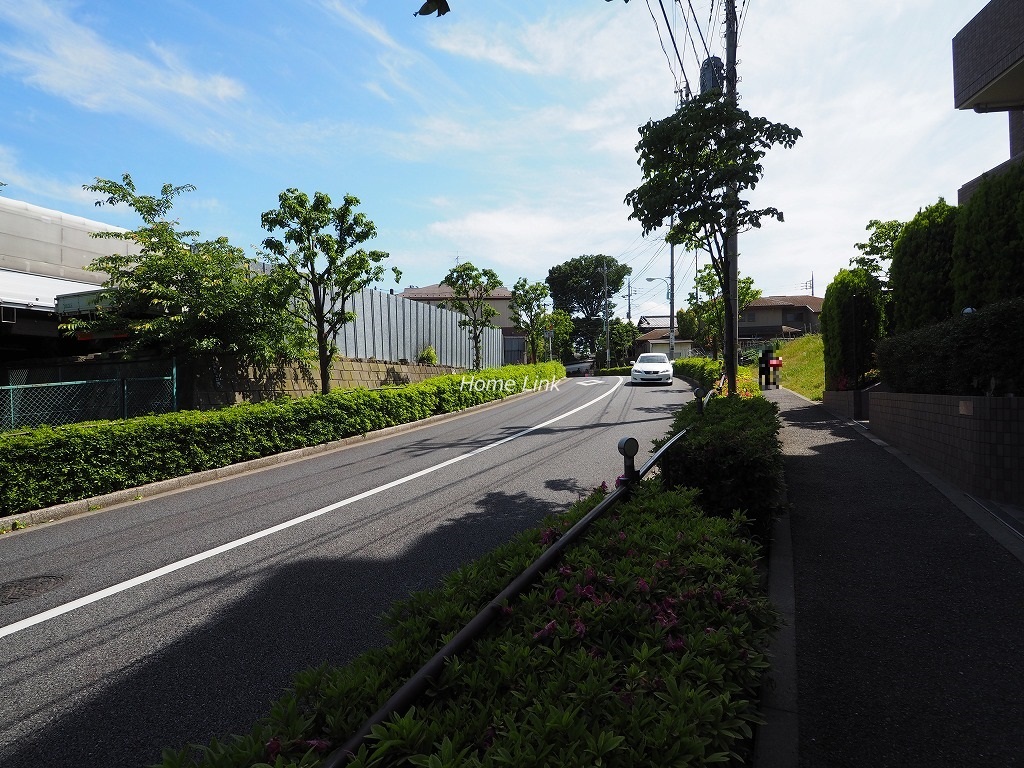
pixel 321 249
pixel 472 287
pixel 177 295
pixel 922 258
pixel 528 309
pixel 851 324
pixel 988 248
pixel 559 323
pixel 696 165
pixel 578 287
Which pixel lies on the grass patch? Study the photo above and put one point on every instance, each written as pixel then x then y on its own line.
pixel 803 366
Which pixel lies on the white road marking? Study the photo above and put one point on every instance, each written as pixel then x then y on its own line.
pixel 590 382
pixel 60 610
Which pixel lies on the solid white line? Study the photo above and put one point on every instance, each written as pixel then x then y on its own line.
pixel 60 610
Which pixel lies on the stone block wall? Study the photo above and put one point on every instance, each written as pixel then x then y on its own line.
pixel 977 443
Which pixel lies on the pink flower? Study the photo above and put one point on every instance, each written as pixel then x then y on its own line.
pixel 643 586
pixel 320 745
pixel 590 574
pixel 579 628
pixel 587 591
pixel 547 631
pixel 273 748
pixel 717 595
pixel 565 570
pixel 560 595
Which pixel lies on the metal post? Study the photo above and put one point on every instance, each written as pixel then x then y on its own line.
pixel 628 447
pixel 698 394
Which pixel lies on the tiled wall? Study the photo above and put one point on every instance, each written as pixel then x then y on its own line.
pixel 975 442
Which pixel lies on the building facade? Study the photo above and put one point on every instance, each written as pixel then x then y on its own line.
pixel 988 74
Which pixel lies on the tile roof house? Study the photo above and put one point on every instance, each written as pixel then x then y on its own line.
pixel 772 317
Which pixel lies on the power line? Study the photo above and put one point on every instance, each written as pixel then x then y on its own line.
pixel 661 40
pixel 672 37
pixel 705 42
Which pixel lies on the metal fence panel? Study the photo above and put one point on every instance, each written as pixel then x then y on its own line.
pixel 392 328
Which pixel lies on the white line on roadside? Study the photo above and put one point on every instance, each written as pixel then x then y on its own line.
pixel 60 610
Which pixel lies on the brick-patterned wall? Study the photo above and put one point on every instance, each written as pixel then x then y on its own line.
pixel 845 404
pixel 210 391
pixel 975 442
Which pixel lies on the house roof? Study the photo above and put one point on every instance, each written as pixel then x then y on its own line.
pixel 442 292
pixel 654 321
pixel 657 335
pixel 811 302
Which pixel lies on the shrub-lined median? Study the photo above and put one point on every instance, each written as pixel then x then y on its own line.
pixel 54 465
pixel 644 646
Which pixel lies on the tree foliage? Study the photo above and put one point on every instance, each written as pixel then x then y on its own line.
pixel 528 309
pixel 578 287
pixel 472 288
pixel 707 308
pixel 697 164
pixel 878 248
pixel 622 336
pixel 851 324
pixel 321 250
pixel 988 249
pixel 176 295
pixel 922 260
pixel 562 328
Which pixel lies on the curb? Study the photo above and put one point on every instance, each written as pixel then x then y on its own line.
pixel 115 498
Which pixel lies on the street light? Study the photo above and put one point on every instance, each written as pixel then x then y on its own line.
pixel 671 315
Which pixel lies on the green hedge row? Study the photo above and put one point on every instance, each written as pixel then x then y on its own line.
pixel 973 354
pixel 54 465
pixel 703 370
pixel 733 455
pixel 646 646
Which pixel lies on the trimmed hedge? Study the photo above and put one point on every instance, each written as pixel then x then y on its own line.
pixel 53 465
pixel 645 647
pixel 972 354
pixel 733 455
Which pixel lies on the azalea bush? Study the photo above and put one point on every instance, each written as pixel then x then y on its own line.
pixel 53 465
pixel 645 646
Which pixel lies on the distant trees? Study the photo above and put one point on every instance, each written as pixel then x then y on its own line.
pixel 707 308
pixel 471 288
pixel 321 252
pixel 876 254
pixel 578 287
pixel 178 295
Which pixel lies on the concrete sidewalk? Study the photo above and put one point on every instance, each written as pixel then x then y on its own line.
pixel 904 643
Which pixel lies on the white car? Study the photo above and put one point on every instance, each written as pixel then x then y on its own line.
pixel 651 368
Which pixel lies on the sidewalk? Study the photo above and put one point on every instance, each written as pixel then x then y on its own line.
pixel 904 643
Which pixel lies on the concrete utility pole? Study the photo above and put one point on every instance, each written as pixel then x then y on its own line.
pixel 672 295
pixel 731 241
pixel 607 324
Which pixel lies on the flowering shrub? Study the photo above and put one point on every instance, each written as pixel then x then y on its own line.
pixel 644 647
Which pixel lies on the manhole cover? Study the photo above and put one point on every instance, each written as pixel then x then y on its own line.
pixel 13 591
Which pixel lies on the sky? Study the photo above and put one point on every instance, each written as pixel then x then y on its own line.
pixel 503 133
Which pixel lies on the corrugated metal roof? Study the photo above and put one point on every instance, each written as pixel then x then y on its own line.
pixel 26 291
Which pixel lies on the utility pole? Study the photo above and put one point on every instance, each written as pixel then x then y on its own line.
pixel 672 295
pixel 607 325
pixel 731 241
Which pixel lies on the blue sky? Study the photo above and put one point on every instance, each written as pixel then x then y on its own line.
pixel 503 133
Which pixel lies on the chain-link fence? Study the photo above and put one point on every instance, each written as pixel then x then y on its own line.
pixel 30 405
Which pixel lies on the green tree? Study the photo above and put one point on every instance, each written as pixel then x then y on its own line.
pixel 686 324
pixel 851 324
pixel 696 165
pixel 623 336
pixel 176 295
pixel 528 309
pixel 878 248
pixel 560 323
pixel 472 287
pixel 578 287
pixel 988 248
pixel 708 307
pixel 919 276
pixel 326 267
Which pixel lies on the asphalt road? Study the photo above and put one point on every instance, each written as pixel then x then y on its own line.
pixel 178 618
